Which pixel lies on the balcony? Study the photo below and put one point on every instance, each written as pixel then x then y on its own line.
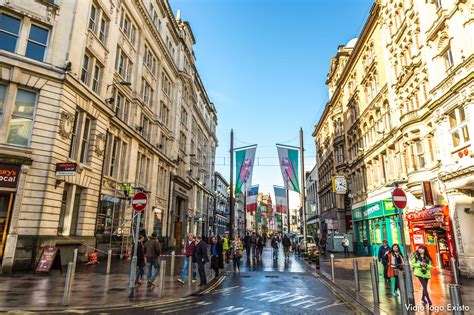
pixel 410 117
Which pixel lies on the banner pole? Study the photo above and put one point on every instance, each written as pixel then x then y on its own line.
pixel 231 186
pixel 288 209
pixel 302 189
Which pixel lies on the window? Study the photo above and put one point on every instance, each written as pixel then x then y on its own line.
pixel 184 116
pixel 122 107
pixel 182 142
pixel 103 30
pixel 21 123
pixel 127 27
pixel 37 43
pixel 75 211
pixel 3 94
pixel 147 92
pixel 83 154
pixel 123 163
pixel 93 19
pixel 9 32
pixel 96 78
pixel 80 137
pixel 145 127
pixel 123 65
pixel 459 127
pixel 72 150
pixel 166 85
pixel 85 69
pixel 420 154
pixel 164 113
pixel 113 157
pixel 149 59
pixel 62 213
pixel 448 59
pixel 98 23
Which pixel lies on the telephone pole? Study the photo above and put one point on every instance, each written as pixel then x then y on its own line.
pixel 231 190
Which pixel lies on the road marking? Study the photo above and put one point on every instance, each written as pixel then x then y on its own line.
pixel 166 303
pixel 296 298
pixel 225 290
pixel 335 303
pixel 226 310
pixel 198 304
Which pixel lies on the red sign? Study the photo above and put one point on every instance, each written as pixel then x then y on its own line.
pixel 427 193
pixel 139 201
pixel 399 198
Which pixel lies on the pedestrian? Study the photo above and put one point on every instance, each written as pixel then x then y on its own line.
pixel 345 245
pixel 316 239
pixel 226 247
pixel 383 259
pixel 216 256
pixel 140 260
pixel 152 252
pixel 247 244
pixel 253 244
pixel 200 254
pixel 286 242
pixel 275 246
pixel 395 262
pixel 237 252
pixel 323 243
pixel 365 244
pixel 259 245
pixel 189 247
pixel 422 264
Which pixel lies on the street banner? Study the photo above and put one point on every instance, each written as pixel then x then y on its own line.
pixel 244 161
pixel 252 196
pixel 280 199
pixel 288 158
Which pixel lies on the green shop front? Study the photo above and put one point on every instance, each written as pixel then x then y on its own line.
pixel 375 222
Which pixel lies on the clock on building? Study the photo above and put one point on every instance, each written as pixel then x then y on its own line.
pixel 339 185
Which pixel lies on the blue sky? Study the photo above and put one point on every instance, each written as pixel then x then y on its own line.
pixel 264 65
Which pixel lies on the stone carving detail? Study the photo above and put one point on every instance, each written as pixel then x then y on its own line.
pixel 100 144
pixel 66 123
pixel 458 233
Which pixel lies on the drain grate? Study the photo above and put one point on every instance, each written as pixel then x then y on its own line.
pixel 267 276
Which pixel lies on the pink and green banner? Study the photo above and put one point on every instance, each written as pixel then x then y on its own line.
pixel 288 157
pixel 244 161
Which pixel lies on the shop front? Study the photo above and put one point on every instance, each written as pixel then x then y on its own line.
pixel 9 177
pixel 432 228
pixel 374 223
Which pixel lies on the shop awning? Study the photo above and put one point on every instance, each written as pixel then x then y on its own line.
pixel 111 199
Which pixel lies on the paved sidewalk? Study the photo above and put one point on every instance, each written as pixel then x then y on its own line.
pixel 438 285
pixel 92 288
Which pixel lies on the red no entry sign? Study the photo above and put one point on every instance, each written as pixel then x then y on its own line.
pixel 399 198
pixel 139 201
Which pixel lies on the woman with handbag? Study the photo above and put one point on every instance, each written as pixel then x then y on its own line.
pixel 422 264
pixel 237 252
pixel 395 262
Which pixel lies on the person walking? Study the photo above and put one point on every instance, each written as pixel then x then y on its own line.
pixel 286 242
pixel 253 244
pixel 422 264
pixel 365 244
pixel 140 260
pixel 322 244
pixel 189 247
pixel 259 246
pixel 200 254
pixel 237 253
pixel 383 259
pixel 226 248
pixel 152 253
pixel 345 246
pixel 275 246
pixel 247 244
pixel 395 262
pixel 216 256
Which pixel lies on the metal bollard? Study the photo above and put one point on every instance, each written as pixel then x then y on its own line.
pixel 454 268
pixel 190 271
pixel 161 286
pixel 375 285
pixel 74 259
pixel 109 260
pixel 133 267
pixel 332 267
pixel 403 291
pixel 456 299
pixel 173 254
pixel 68 286
pixel 376 267
pixel 355 265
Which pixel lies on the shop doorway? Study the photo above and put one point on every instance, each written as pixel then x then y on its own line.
pixel 6 206
pixel 437 244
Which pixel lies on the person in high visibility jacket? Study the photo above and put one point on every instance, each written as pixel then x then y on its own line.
pixel 226 248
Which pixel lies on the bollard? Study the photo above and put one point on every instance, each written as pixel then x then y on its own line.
pixel 456 299
pixel 74 259
pixel 454 268
pixel 376 267
pixel 68 286
pixel 173 254
pixel 161 286
pixel 190 271
pixel 133 270
pixel 355 265
pixel 109 260
pixel 403 291
pixel 375 286
pixel 332 267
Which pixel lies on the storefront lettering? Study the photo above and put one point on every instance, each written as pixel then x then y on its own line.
pixel 9 175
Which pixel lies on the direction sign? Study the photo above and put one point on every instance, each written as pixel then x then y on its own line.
pixel 399 198
pixel 139 201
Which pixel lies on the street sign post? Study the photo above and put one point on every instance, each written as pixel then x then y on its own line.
pixel 399 199
pixel 139 202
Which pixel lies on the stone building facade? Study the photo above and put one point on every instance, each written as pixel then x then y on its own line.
pixel 110 86
pixel 400 113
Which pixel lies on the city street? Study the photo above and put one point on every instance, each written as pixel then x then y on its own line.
pixel 269 287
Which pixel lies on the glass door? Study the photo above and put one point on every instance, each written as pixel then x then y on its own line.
pixel 6 205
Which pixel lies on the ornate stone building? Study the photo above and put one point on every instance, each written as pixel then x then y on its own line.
pixel 111 87
pixel 404 99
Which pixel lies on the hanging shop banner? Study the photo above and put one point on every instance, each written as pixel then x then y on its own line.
pixel 427 193
pixel 288 158
pixel 252 196
pixel 244 161
pixel 280 199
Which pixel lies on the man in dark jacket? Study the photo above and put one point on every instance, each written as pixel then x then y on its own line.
pixel 247 244
pixel 275 246
pixel 200 254
pixel 383 258
pixel 189 247
pixel 286 245
pixel 216 255
pixel 152 252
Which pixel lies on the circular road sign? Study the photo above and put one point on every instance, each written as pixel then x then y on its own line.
pixel 139 201
pixel 399 198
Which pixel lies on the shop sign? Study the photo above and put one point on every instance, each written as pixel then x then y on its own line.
pixel 427 193
pixel 372 210
pixel 418 239
pixel 9 175
pixel 66 169
pixel 426 214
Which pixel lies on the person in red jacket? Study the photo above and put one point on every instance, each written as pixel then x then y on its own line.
pixel 188 252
